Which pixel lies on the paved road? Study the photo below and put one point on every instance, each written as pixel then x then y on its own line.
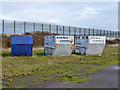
pixel 105 78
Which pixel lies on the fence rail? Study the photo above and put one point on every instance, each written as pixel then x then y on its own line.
pixel 17 27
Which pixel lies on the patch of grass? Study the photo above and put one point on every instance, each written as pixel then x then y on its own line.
pixel 93 69
pixel 5 53
pixel 49 67
pixel 67 84
pixel 75 78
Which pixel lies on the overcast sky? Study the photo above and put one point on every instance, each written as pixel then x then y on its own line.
pixel 100 15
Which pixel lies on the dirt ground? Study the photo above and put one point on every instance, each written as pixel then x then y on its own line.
pixel 105 78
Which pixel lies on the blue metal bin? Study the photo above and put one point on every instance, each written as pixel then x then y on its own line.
pixel 21 45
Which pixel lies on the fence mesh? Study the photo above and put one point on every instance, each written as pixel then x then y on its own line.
pixel 17 27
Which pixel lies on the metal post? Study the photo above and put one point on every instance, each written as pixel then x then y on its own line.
pixel 96 32
pixel 89 32
pixel 3 26
pixel 118 34
pixel 63 30
pixel 42 28
pixel 34 27
pixel 113 33
pixel 69 30
pixel 79 31
pixel 24 27
pixel 107 33
pixel 74 30
pixel 50 28
pixel 93 32
pixel 104 33
pixel 14 27
pixel 57 29
pixel 100 32
pixel 84 31
pixel 110 34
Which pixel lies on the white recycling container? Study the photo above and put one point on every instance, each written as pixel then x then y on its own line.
pixel 90 45
pixel 58 45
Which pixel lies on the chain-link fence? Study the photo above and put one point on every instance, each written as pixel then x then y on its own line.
pixel 17 27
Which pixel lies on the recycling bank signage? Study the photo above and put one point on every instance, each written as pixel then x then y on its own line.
pixel 65 39
pixel 97 39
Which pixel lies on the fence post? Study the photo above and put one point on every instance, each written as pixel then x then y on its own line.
pixel 84 31
pixel 100 32
pixel 110 33
pixel 57 29
pixel 69 30
pixel 74 30
pixel 89 31
pixel 50 28
pixel 79 31
pixel 107 33
pixel 63 30
pixel 3 26
pixel 104 33
pixel 118 34
pixel 14 27
pixel 42 28
pixel 113 33
pixel 93 32
pixel 24 27
pixel 96 32
pixel 33 27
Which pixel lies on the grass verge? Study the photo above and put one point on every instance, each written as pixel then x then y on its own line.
pixel 74 68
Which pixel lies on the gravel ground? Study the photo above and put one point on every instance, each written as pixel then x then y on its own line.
pixel 105 78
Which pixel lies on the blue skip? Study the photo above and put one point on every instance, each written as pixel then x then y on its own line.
pixel 21 45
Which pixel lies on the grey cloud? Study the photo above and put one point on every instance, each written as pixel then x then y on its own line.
pixel 95 15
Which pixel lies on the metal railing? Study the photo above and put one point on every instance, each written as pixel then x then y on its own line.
pixel 18 27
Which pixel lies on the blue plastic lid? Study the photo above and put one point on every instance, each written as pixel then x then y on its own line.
pixel 21 39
